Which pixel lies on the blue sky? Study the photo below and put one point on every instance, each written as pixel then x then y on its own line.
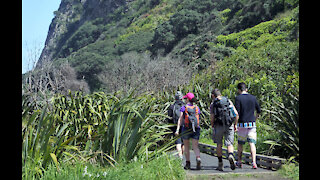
pixel 36 18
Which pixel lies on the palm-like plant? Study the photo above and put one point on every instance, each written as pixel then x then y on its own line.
pixel 114 127
pixel 286 121
pixel 132 128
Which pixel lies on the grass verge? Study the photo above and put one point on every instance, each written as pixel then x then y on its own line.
pixel 162 167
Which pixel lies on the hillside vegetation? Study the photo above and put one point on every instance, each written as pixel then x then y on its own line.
pixel 123 66
pixel 94 35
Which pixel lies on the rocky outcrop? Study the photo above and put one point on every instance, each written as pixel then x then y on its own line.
pixel 69 17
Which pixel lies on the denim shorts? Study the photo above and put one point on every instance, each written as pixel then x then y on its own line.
pixel 187 133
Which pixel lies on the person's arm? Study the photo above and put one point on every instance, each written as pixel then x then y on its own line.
pixel 211 115
pixel 237 108
pixel 257 115
pixel 237 116
pixel 212 119
pixel 237 104
pixel 179 122
pixel 258 109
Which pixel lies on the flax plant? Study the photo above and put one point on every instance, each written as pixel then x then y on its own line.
pixel 98 127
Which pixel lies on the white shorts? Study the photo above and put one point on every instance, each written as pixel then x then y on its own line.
pixel 247 134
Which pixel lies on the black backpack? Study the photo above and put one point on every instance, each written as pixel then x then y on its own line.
pixel 176 111
pixel 223 112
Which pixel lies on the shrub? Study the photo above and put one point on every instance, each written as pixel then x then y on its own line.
pixel 179 26
pixel 138 42
pixel 88 65
pixel 141 72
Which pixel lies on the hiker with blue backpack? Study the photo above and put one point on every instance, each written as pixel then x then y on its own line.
pixel 224 117
pixel 174 113
pixel 190 128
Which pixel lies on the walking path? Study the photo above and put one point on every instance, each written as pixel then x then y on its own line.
pixel 210 163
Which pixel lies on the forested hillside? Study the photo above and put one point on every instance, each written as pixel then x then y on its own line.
pixel 123 62
pixel 96 36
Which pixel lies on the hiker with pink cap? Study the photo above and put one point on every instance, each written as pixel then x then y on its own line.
pixel 190 128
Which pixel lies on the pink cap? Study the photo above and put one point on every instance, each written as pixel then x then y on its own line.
pixel 189 95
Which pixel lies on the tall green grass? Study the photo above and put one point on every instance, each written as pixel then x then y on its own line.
pixel 96 128
pixel 162 167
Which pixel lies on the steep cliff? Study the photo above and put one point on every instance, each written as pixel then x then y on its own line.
pixel 69 17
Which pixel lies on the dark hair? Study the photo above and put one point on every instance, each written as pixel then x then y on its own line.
pixel 194 99
pixel 242 86
pixel 216 92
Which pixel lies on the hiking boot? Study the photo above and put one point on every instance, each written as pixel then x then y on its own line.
pixel 187 166
pixel 239 164
pixel 254 166
pixel 231 160
pixel 220 166
pixel 198 163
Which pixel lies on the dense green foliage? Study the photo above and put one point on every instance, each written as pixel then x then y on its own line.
pixel 266 58
pixel 101 128
pixel 181 29
pixel 290 170
pixel 220 43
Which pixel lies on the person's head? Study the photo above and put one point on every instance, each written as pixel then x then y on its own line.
pixel 190 97
pixel 242 87
pixel 215 93
pixel 178 95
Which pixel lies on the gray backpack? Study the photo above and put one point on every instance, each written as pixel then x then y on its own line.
pixel 176 111
pixel 223 113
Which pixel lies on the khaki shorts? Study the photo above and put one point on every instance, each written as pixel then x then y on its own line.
pixel 227 132
pixel 247 135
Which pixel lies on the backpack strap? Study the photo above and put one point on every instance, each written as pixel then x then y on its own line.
pixel 173 111
pixel 186 117
pixel 197 115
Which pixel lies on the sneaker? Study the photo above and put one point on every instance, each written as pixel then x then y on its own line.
pixel 220 166
pixel 254 166
pixel 198 163
pixel 231 160
pixel 239 164
pixel 187 166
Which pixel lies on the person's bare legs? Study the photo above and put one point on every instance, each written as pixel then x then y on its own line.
pixel 187 153
pixel 219 150
pixel 219 154
pixel 182 148
pixel 253 152
pixel 240 149
pixel 186 149
pixel 231 157
pixel 230 149
pixel 179 149
pixel 195 146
